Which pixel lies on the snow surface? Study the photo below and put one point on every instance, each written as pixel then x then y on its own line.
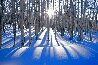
pixel 56 51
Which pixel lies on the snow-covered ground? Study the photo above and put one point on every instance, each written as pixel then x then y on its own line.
pixel 56 51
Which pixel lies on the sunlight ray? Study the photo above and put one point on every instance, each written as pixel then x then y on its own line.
pixel 19 52
pixel 60 53
pixel 38 42
pixel 37 52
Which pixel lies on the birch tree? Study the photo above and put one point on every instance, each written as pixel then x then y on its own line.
pixel 13 20
pixel 22 21
pixel 1 22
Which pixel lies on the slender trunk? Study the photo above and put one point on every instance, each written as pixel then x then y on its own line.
pixel 30 14
pixel 22 22
pixel 13 20
pixel 1 22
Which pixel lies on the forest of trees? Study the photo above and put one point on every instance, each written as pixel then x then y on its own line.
pixel 75 16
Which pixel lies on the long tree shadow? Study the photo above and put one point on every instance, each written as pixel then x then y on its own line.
pixel 43 40
pixel 34 38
